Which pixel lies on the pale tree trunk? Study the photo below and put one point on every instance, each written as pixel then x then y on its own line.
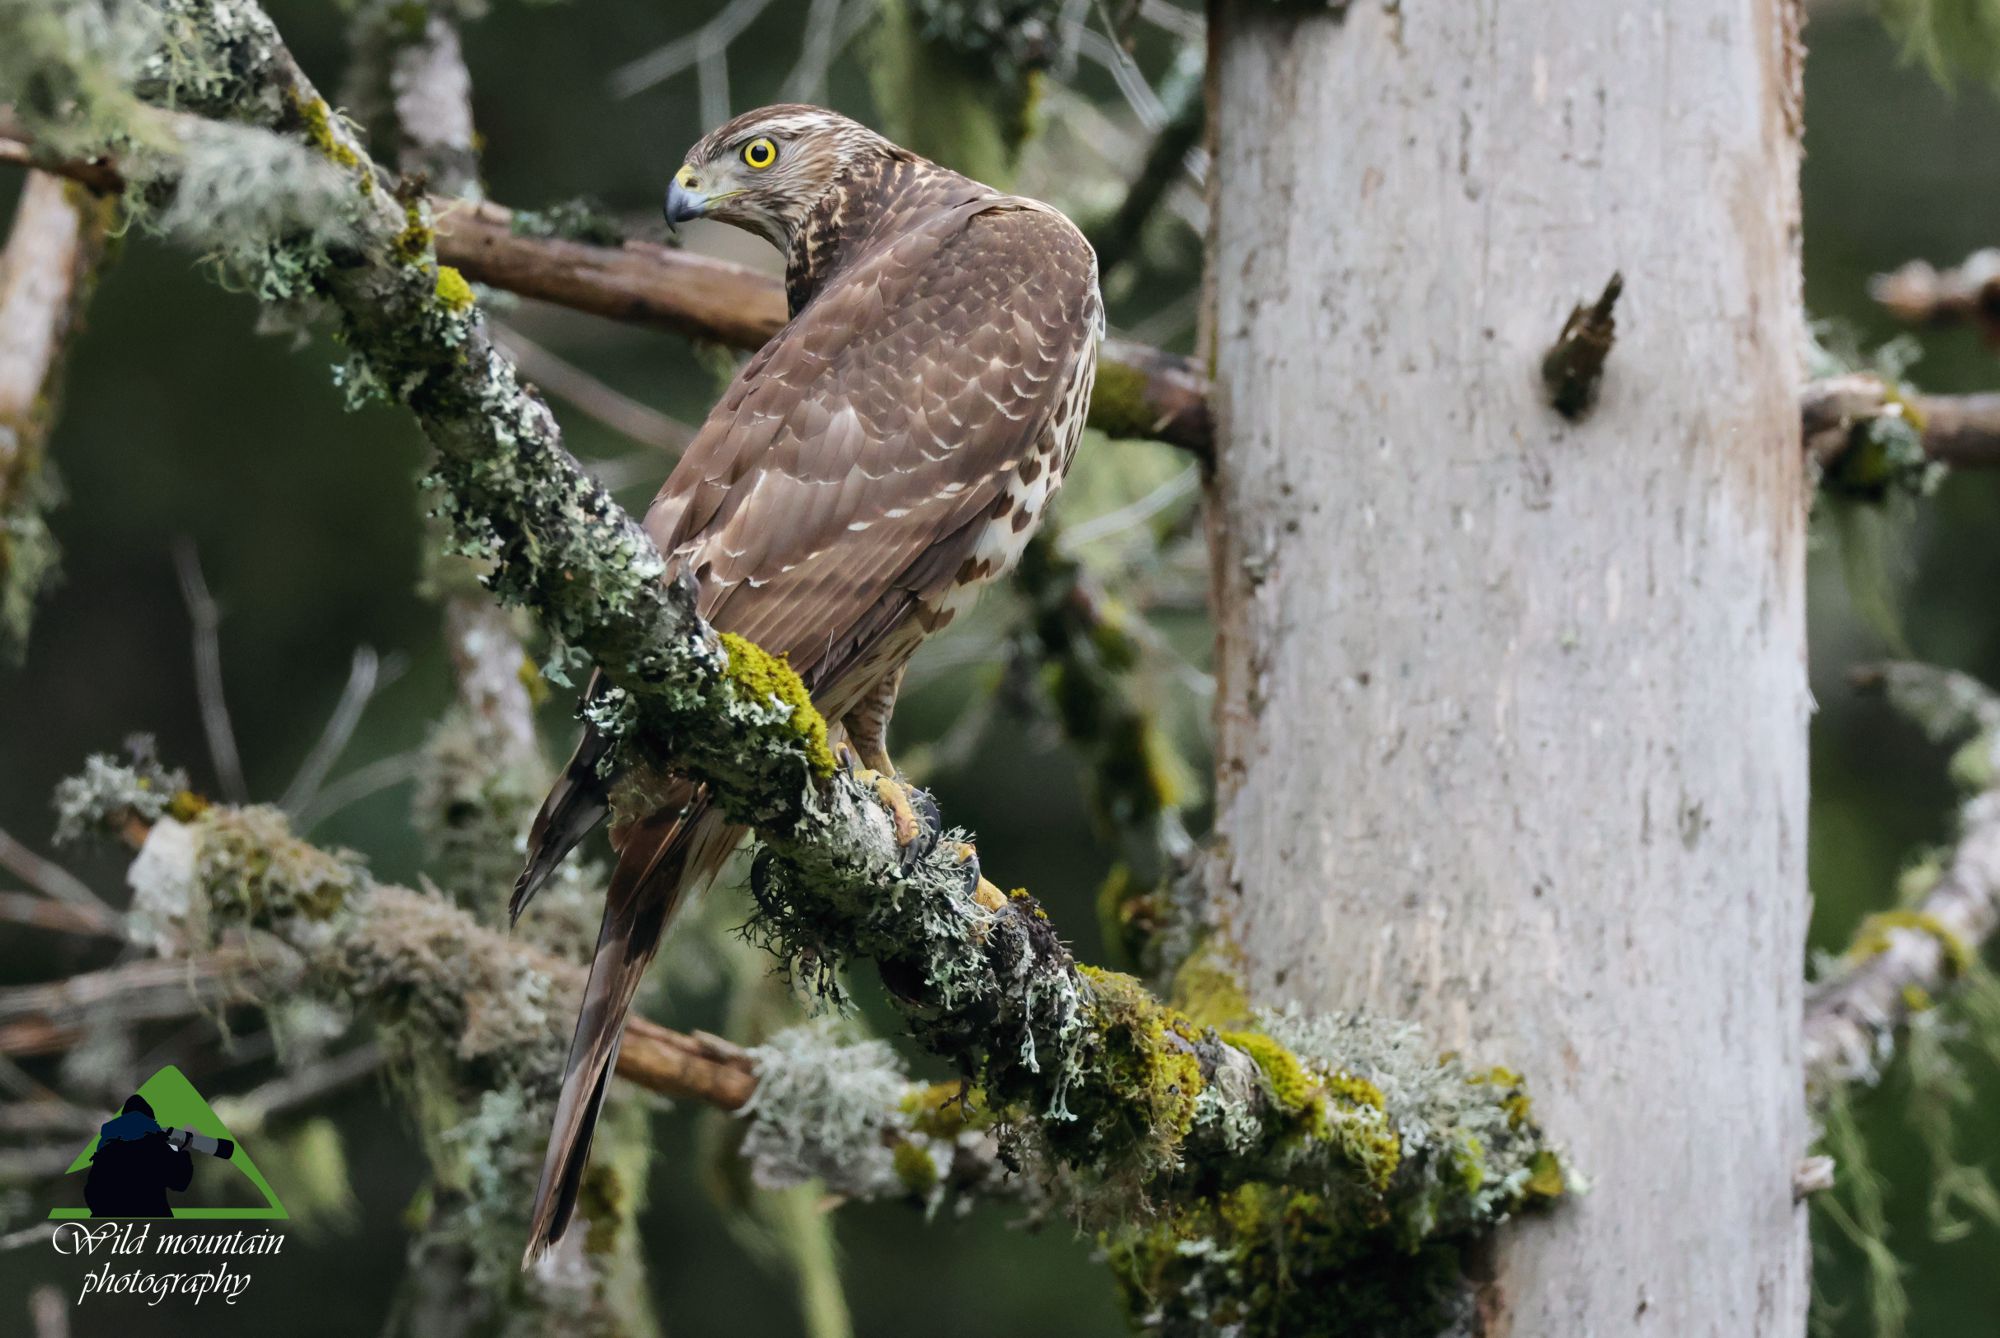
pixel 1512 719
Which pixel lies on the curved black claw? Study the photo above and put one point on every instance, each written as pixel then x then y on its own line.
pixel 968 869
pixel 930 826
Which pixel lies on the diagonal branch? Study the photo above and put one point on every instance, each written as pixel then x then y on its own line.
pixel 1902 960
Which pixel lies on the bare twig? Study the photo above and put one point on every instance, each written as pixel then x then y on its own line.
pixel 24 908
pixel 1133 514
pixel 706 43
pixel 367 675
pixel 830 25
pixel 53 881
pixel 358 784
pixel 48 1312
pixel 641 282
pixel 45 1116
pixel 1574 364
pixel 145 988
pixel 32 1234
pixel 1165 164
pixel 1962 431
pixel 1094 46
pixel 215 722
pixel 305 1086
pixel 597 401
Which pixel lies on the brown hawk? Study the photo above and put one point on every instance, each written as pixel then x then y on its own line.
pixel 884 455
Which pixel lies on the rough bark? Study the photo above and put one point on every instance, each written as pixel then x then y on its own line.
pixel 1512 712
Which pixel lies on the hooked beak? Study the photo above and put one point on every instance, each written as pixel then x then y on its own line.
pixel 684 201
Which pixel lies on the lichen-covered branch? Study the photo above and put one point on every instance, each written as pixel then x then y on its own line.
pixel 1122 1105
pixel 1903 960
pixel 242 910
pixel 1865 433
pixel 481 774
pixel 52 254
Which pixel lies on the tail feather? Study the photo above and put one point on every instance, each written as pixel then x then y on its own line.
pixel 659 859
pixel 576 804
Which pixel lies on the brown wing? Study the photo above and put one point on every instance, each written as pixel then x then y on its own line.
pixel 847 472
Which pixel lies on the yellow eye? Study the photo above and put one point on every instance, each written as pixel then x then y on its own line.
pixel 760 153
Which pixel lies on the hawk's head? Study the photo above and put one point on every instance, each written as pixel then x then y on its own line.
pixel 765 170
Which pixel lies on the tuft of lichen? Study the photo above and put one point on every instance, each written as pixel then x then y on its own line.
pixel 453 290
pixel 761 676
pixel 252 868
pixel 108 793
pixel 826 1108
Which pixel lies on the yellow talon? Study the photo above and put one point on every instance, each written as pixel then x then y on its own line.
pixel 986 894
pixel 897 800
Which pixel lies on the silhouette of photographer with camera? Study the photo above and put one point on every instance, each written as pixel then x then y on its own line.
pixel 136 1163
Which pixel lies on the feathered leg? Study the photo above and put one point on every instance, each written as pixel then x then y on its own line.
pixel 867 727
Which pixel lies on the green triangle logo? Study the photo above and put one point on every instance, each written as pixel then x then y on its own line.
pixel 176 1105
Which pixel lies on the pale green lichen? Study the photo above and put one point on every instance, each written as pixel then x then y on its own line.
pixel 577 220
pixel 826 1108
pixel 109 792
pixel 471 803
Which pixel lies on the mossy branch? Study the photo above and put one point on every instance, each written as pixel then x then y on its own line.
pixel 1904 960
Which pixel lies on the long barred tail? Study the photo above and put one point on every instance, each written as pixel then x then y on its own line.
pixel 659 860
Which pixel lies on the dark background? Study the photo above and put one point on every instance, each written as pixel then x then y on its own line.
pixel 180 421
